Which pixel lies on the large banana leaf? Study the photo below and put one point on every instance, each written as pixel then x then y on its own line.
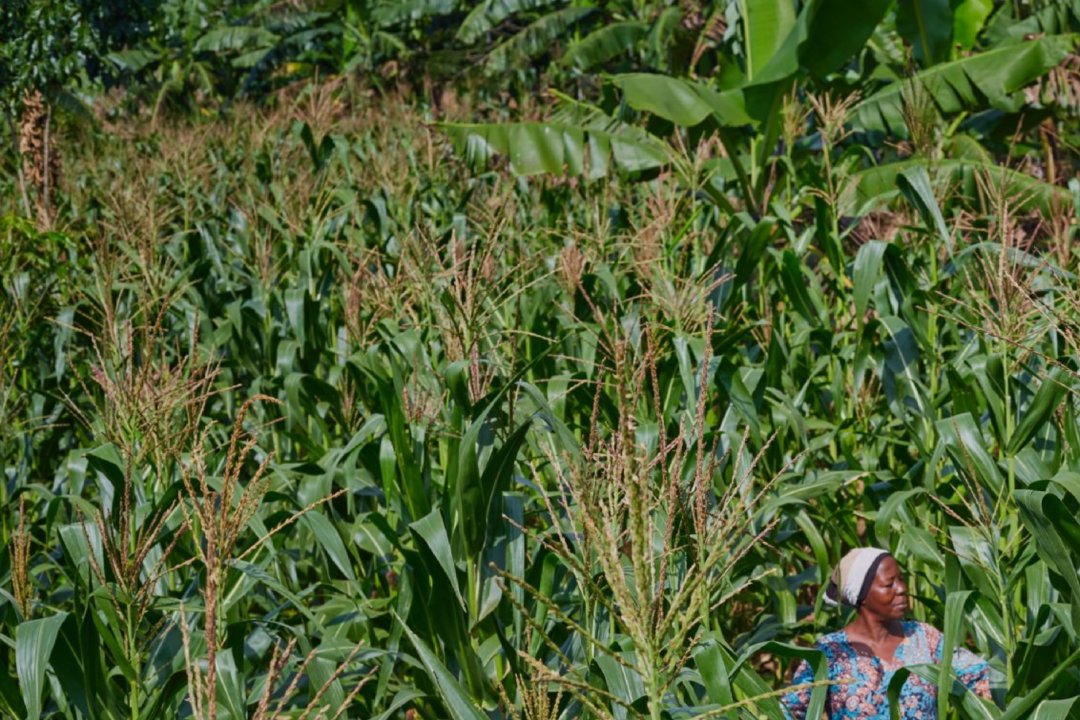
pixel 235 38
pixel 968 20
pixel 591 145
pixel 682 102
pixel 993 77
pixel 486 15
pixel 1054 18
pixel 838 29
pixel 388 13
pixel 927 25
pixel 557 148
pixel 766 27
pixel 605 43
pixel 534 39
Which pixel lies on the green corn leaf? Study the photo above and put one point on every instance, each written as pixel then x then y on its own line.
pixel 497 476
pixel 896 684
pixel 431 531
pixel 1069 481
pixel 230 685
pixel 798 289
pixel 330 541
pixel 621 680
pixel 34 640
pixel 77 665
pixel 401 699
pixel 914 183
pixel 1056 709
pixel 965 445
pixel 1039 510
pixel 1022 706
pixel 1042 407
pixel 866 271
pixel 952 634
pixel 818 663
pixel 714 671
pixel 457 701
pixel 868 188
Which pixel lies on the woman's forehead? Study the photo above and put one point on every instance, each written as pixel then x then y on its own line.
pixel 888 566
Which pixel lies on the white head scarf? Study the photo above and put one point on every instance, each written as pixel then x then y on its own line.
pixel 849 579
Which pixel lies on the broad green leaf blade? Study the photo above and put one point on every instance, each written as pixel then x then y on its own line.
pixel 994 76
pixel 621 681
pixel 869 187
pixel 557 148
pixel 766 27
pixel 1052 19
pixel 1021 707
pixel 914 183
pixel 432 532
pixel 1045 516
pixel 1042 407
pixel 34 640
pixel 230 685
pixel 838 30
pixel 330 541
pixel 235 37
pixel 714 672
pixel 818 663
pixel 681 102
pixel 799 290
pixel 952 631
pixel 927 25
pixel 534 39
pixel 605 43
pixel 968 20
pixel 866 271
pixel 965 445
pixel 457 701
pixel 1056 709
pixel 663 96
pixel 388 13
pixel 486 15
pixel 497 475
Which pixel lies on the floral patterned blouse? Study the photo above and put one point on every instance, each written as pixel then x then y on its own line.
pixel 861 692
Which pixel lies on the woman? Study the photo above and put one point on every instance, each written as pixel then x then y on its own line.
pixel 863 657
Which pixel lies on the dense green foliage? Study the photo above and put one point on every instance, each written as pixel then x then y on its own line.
pixel 316 408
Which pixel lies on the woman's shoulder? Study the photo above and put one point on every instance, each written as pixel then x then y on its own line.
pixel 832 642
pixel 914 627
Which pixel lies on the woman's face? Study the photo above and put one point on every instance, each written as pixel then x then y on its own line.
pixel 887 596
